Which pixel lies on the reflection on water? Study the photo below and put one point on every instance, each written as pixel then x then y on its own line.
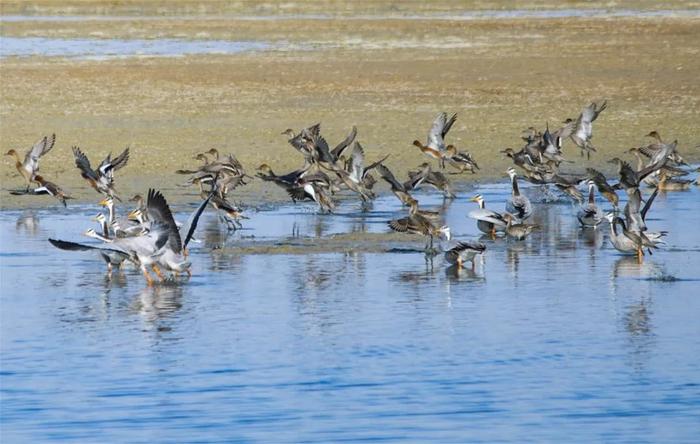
pixel 356 341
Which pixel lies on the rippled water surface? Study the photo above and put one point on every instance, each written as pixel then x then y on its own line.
pixel 557 338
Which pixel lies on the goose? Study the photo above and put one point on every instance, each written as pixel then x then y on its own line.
pixel 590 215
pixel 487 221
pixel 518 205
pixel 464 251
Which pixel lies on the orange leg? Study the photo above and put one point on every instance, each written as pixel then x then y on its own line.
pixel 157 271
pixel 149 279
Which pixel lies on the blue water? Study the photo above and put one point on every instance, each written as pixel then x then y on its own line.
pixel 92 48
pixel 557 338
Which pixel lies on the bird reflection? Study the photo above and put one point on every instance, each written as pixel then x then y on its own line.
pixel 639 327
pixel 27 223
pixel 158 301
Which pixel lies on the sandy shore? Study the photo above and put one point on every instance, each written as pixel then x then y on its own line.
pixel 387 76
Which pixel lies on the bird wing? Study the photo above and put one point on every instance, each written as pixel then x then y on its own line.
pixel 120 160
pixel 340 148
pixel 448 125
pixel 358 161
pixel 400 225
pixel 191 225
pixel 83 164
pixel 74 246
pixel 159 210
pixel 389 177
pixel 373 165
pixel 598 109
pixel 487 216
pixel 40 148
pixel 647 205
pixel 435 139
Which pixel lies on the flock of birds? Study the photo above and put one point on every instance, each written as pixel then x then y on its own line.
pixel 150 238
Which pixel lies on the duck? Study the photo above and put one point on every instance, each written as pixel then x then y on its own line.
pixel 435 146
pixel 46 188
pixel 287 182
pixel 417 223
pixel 464 251
pixel 460 160
pixel 101 179
pixel 604 188
pixel 518 205
pixel 590 215
pixel 435 179
pixel 317 186
pixel 580 131
pixel 672 184
pixel 487 221
pixel 29 166
pixel 516 230
pixel 398 189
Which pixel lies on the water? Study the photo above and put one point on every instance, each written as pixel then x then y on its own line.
pixel 92 48
pixel 496 14
pixel 354 336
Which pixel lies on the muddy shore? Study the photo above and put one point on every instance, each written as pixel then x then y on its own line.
pixel 387 76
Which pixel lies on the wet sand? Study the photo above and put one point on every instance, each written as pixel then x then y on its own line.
pixel 388 76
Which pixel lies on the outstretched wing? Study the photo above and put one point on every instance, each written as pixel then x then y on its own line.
pixel 39 149
pixel 74 246
pixel 83 164
pixel 448 125
pixel 120 160
pixel 358 161
pixel 389 177
pixel 435 139
pixel 340 148
pixel 191 225
pixel 159 210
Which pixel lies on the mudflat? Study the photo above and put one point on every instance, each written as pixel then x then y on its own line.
pixel 387 71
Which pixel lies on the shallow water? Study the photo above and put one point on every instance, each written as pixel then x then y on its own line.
pixel 92 48
pixel 557 338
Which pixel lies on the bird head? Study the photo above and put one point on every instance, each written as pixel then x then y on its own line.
pixel 478 199
pixel 106 202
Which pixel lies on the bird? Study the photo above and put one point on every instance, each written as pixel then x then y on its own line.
pixel 603 186
pixel 464 251
pixel 581 130
pixel 435 179
pixel 141 250
pixel 435 146
pixel 461 160
pixel 672 184
pixel 517 230
pixel 416 223
pixel 29 167
pixel 399 190
pixel 590 215
pixel 625 241
pixel 101 179
pixel 487 221
pixel 518 205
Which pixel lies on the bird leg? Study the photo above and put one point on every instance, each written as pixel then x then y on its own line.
pixel 492 233
pixel 147 275
pixel 158 273
pixel 189 273
pixel 459 263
